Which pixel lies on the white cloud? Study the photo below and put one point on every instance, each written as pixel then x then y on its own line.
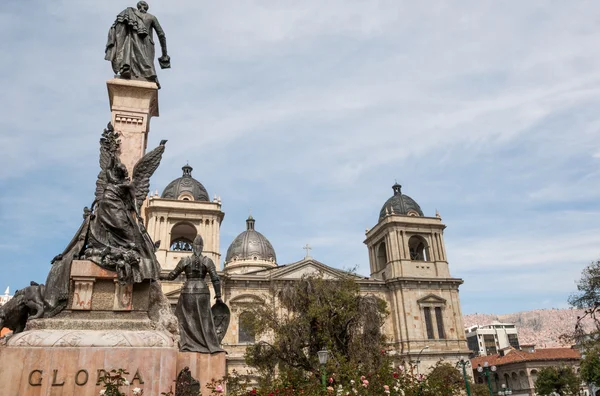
pixel 307 111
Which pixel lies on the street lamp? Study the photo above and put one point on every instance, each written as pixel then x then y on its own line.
pixel 505 391
pixel 487 371
pixel 464 363
pixel 323 356
pixel 419 357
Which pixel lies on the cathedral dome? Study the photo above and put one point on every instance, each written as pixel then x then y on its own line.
pixel 400 204
pixel 250 245
pixel 186 188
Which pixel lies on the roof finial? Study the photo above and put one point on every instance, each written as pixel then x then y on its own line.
pixel 187 170
pixel 397 188
pixel 308 249
pixel 250 223
pixel 437 214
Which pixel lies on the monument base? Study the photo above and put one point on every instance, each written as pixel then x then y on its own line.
pixel 75 371
pixel 204 367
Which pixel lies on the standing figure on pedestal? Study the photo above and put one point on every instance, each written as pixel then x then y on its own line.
pixel 196 326
pixel 130 45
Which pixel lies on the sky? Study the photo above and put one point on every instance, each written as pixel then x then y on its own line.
pixel 306 112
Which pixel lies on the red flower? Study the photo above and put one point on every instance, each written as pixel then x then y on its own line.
pixel 396 375
pixel 331 380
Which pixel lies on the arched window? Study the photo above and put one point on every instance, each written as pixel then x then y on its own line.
pixel 381 256
pixel 418 248
pixel 245 331
pixel 515 381
pixel 182 236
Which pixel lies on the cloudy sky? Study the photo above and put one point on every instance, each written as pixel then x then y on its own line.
pixel 305 112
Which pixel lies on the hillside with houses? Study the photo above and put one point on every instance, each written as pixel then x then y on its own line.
pixel 542 327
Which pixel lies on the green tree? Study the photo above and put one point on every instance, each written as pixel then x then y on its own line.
pixel 444 380
pixel 590 366
pixel 304 317
pixel 562 380
pixel 587 298
pixel 479 390
pixel 588 288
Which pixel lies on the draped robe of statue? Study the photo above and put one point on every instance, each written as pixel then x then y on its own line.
pixel 130 46
pixel 196 325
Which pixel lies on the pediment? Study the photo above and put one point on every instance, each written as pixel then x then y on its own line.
pixel 431 299
pixel 308 267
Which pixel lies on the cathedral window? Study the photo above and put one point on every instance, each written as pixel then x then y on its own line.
pixel 418 248
pixel 182 235
pixel 440 322
pixel 245 331
pixel 381 256
pixel 428 323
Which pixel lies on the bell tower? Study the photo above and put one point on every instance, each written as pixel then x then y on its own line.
pixel 407 253
pixel 405 243
pixel 174 218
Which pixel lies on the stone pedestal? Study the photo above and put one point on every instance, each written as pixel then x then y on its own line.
pixel 105 326
pixel 74 371
pixel 204 367
pixel 132 103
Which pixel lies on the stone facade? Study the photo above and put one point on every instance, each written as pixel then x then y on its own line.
pixel 409 270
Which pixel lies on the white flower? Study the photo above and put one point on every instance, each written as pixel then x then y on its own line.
pixel 137 391
pixel 103 391
pixel 126 383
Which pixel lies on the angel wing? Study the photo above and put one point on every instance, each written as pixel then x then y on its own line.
pixel 142 171
pixel 109 148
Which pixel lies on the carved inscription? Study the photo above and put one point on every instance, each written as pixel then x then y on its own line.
pixel 80 378
pixel 35 378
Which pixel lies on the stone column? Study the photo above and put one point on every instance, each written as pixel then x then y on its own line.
pixel 132 103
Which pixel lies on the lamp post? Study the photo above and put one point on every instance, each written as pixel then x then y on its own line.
pixel 464 363
pixel 505 391
pixel 419 357
pixel 487 371
pixel 323 356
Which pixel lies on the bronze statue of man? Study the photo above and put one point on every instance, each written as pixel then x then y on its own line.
pixel 196 325
pixel 130 45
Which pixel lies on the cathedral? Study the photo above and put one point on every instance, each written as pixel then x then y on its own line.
pixel 407 256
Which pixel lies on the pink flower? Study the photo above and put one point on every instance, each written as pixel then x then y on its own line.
pixel 385 387
pixel 330 380
pixel 362 377
pixel 365 383
pixel 219 389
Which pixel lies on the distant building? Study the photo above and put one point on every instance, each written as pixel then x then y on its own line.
pixel 490 339
pixel 518 370
pixel 4 299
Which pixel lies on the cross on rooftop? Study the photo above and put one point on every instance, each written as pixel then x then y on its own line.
pixel 308 249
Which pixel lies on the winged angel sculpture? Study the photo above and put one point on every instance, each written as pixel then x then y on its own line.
pixel 112 234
